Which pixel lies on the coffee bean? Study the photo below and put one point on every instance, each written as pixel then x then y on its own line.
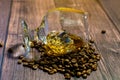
pixel 21 57
pixel 78 74
pixel 1 45
pixel 88 71
pixel 67 76
pixel 51 72
pixel 55 70
pixel 75 65
pixel 84 71
pixel 60 66
pixel 103 31
pixel 67 66
pixel 10 50
pixel 34 67
pixel 31 63
pixel 73 60
pixel 41 67
pixel 55 66
pixel 91 41
pixel 61 70
pixel 84 76
pixel 98 57
pixel 19 61
pixel 46 69
pixel 25 64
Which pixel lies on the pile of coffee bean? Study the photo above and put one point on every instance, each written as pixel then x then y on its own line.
pixel 74 64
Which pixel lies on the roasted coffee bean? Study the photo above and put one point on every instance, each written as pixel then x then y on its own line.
pixel 78 74
pixel 55 66
pixel 67 76
pixel 88 71
pixel 84 76
pixel 46 69
pixel 60 66
pixel 77 69
pixel 91 60
pixel 42 62
pixel 84 71
pixel 25 64
pixel 24 60
pixel 1 45
pixel 91 41
pixel 51 72
pixel 21 57
pixel 72 73
pixel 93 56
pixel 31 63
pixel 103 31
pixel 58 58
pixel 98 57
pixel 31 44
pixel 61 70
pixel 55 70
pixel 75 65
pixel 73 60
pixel 67 66
pixel 95 68
pixel 67 70
pixel 41 67
pixel 10 50
pixel 34 67
pixel 66 60
pixel 19 61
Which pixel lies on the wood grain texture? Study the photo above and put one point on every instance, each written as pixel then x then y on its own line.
pixel 4 22
pixel 108 45
pixel 112 9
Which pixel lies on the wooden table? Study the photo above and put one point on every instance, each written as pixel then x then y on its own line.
pixel 103 15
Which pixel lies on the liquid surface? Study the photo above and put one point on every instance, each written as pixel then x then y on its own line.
pixel 59 43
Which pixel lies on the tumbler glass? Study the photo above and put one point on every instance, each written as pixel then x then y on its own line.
pixel 62 30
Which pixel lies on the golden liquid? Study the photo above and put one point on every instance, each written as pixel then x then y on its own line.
pixel 62 43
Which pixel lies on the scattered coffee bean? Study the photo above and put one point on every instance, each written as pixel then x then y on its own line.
pixel 41 67
pixel 10 50
pixel 19 61
pixel 55 70
pixel 78 74
pixel 103 31
pixel 51 72
pixel 34 67
pixel 21 57
pixel 1 45
pixel 25 64
pixel 46 69
pixel 67 76
pixel 91 41
pixel 88 71
pixel 84 76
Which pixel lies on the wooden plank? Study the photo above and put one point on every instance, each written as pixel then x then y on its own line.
pixel 112 9
pixel 5 6
pixel 30 11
